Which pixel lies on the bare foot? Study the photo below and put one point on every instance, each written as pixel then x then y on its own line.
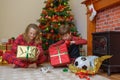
pixel 34 65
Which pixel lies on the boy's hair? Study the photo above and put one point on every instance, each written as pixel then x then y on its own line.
pixel 64 29
pixel 37 37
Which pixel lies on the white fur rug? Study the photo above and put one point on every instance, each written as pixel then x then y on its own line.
pixel 8 73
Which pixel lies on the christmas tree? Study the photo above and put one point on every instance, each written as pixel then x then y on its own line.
pixel 55 14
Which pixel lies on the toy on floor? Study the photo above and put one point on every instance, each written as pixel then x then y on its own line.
pixel 87 65
pixel 45 69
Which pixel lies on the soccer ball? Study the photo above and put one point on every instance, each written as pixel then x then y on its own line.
pixel 82 63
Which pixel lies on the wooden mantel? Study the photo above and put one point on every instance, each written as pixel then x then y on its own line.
pixel 98 5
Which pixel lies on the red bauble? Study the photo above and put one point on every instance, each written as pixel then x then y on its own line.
pixel 42 27
pixel 44 12
pixel 55 18
pixel 71 18
pixel 52 31
pixel 46 43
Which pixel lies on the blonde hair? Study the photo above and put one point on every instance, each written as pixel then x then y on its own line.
pixel 64 29
pixel 37 39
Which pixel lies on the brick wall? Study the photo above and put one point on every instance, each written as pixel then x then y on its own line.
pixel 108 19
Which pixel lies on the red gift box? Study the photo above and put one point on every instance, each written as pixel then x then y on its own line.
pixel 2 61
pixel 1 52
pixel 59 55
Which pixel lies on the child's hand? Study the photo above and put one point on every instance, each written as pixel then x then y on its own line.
pixel 72 42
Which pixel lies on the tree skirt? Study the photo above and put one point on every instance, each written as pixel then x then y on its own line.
pixel 8 73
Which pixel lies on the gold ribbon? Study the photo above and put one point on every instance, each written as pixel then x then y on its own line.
pixel 59 54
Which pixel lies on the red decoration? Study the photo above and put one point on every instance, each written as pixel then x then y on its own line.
pixel 55 25
pixel 59 55
pixel 42 27
pixel 48 36
pixel 48 17
pixel 52 31
pixel 46 43
pixel 55 18
pixel 83 75
pixel 59 8
pixel 44 12
pixel 71 18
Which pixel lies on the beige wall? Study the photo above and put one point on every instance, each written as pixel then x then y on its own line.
pixel 15 15
pixel 79 11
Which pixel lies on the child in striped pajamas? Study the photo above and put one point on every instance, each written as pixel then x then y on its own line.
pixel 30 37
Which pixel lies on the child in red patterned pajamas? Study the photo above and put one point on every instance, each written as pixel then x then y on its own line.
pixel 73 48
pixel 30 37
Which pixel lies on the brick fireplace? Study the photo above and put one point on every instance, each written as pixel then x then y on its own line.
pixel 108 19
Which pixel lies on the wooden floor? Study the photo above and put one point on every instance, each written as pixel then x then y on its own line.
pixel 113 76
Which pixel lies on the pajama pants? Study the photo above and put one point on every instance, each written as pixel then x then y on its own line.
pixel 73 51
pixel 12 59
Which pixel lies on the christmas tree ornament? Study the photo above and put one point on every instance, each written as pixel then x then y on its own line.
pixel 60 8
pixel 52 31
pixel 42 18
pixel 65 3
pixel 68 20
pixel 46 43
pixel 48 37
pixel 59 24
pixel 42 27
pixel 92 11
pixel 71 17
pixel 55 26
pixel 47 29
pixel 44 12
pixel 51 4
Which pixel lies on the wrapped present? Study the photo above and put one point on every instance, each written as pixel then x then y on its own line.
pixel 11 40
pixel 1 59
pixel 59 55
pixel 27 53
pixel 5 46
